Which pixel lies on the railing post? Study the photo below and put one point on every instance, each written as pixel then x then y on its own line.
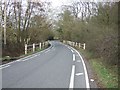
pixel 43 44
pixel 70 43
pixel 73 44
pixel 76 44
pixel 25 49
pixel 33 47
pixel 79 45
pixel 46 43
pixel 84 46
pixel 40 45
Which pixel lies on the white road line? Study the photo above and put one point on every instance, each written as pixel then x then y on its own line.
pixel 78 61
pixel 85 70
pixel 72 51
pixel 18 60
pixel 73 57
pixel 47 51
pixel 71 85
pixel 7 64
pixel 5 67
pixel 28 58
pixel 78 74
pixel 25 58
pixel 69 48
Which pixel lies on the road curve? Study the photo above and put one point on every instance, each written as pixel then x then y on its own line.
pixel 59 66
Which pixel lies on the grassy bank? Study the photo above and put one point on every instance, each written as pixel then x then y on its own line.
pixel 107 75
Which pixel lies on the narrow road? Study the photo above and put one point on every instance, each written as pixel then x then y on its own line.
pixel 59 66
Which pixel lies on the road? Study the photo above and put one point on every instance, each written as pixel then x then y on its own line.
pixel 59 66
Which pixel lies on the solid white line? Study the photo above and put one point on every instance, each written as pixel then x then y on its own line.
pixel 69 47
pixel 73 57
pixel 4 67
pixel 71 85
pixel 85 70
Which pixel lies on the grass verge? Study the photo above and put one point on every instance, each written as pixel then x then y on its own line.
pixel 107 76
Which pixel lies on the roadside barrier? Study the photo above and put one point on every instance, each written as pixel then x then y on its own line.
pixel 34 46
pixel 75 44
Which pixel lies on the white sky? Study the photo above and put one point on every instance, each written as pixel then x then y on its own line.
pixel 58 3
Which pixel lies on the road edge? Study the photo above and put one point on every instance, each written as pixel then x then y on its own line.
pixel 85 69
pixel 27 56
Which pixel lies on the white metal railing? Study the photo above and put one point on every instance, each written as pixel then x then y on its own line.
pixel 75 44
pixel 33 46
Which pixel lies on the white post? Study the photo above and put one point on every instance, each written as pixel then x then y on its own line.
pixel 84 46
pixel 46 43
pixel 79 45
pixel 40 45
pixel 33 47
pixel 43 44
pixel 25 48
pixel 76 44
pixel 73 44
pixel 70 43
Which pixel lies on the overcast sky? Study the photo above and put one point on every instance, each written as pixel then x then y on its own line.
pixel 58 3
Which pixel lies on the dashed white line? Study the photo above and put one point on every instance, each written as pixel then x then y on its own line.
pixel 71 85
pixel 73 57
pixel 78 74
pixel 72 51
pixel 47 51
pixel 78 61
pixel 7 64
pixel 85 70
pixel 28 58
pixel 5 67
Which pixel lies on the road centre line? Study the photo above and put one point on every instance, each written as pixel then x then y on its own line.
pixel 69 47
pixel 71 85
pixel 78 61
pixel 73 57
pixel 47 51
pixel 72 51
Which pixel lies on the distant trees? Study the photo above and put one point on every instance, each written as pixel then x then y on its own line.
pixel 26 23
pixel 95 24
